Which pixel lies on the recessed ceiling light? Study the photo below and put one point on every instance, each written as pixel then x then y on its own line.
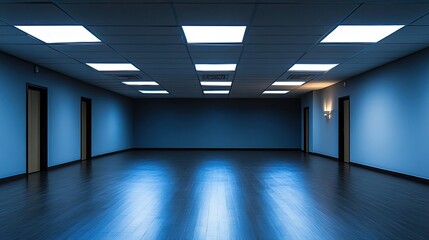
pixel 113 66
pixel 221 84
pixel 360 33
pixel 281 83
pixel 275 92
pixel 214 34
pixel 215 67
pixel 216 92
pixel 60 34
pixel 312 67
pixel 141 83
pixel 154 91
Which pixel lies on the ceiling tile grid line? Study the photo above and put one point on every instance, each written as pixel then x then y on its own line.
pixel 187 47
pixel 252 16
pixel 126 59
pixel 315 44
pixel 156 44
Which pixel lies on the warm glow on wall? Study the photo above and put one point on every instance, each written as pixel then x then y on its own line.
pixel 327 108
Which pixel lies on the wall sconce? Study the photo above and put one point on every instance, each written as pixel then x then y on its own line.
pixel 327 114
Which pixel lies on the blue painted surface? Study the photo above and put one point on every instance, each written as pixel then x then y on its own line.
pixel 389 117
pixel 112 116
pixel 218 123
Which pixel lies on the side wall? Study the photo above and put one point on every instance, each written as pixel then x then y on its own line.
pixel 217 123
pixel 389 117
pixel 111 116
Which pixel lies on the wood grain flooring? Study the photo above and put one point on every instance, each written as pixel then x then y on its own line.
pixel 213 195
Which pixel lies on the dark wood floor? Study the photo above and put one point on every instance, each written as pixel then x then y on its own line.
pixel 213 195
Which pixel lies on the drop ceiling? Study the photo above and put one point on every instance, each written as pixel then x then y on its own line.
pixel 148 34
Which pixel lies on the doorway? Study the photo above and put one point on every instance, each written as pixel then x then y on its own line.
pixel 85 128
pixel 306 130
pixel 37 129
pixel 344 129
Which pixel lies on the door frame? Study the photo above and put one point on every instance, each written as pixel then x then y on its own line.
pixel 341 127
pixel 88 127
pixel 43 125
pixel 306 116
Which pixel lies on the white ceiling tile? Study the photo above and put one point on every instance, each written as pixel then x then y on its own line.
pixel 387 13
pixel 329 55
pixel 215 55
pixel 277 48
pixel 214 14
pixel 149 48
pixel 84 47
pixel 122 14
pixel 271 55
pixel 301 14
pixel 215 48
pixel 94 55
pixel 135 30
pixel 288 31
pixel 149 37
pixel 282 39
pixel 155 55
pixel 118 40
pixel 33 13
pixel 32 51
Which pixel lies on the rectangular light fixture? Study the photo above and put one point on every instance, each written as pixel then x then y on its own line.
pixel 153 91
pixel 360 33
pixel 103 67
pixel 141 83
pixel 215 67
pixel 214 34
pixel 275 92
pixel 216 92
pixel 312 67
pixel 60 34
pixel 285 83
pixel 218 84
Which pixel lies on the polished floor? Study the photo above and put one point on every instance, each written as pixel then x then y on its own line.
pixel 213 195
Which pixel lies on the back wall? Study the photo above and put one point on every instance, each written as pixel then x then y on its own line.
pixel 217 123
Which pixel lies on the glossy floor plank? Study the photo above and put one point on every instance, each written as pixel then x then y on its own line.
pixel 213 195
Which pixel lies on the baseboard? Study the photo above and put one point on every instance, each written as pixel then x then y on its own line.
pixel 12 178
pixel 324 156
pixel 219 149
pixel 111 153
pixel 64 164
pixel 15 177
pixel 392 173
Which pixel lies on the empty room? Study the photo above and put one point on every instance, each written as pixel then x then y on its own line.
pixel 222 119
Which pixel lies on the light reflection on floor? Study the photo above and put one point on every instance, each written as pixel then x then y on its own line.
pixel 290 205
pixel 216 200
pixel 138 208
pixel 213 195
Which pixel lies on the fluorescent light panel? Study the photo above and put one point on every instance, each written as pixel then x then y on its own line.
pixel 218 84
pixel 113 66
pixel 141 83
pixel 153 91
pixel 60 34
pixel 214 34
pixel 360 33
pixel 284 83
pixel 275 92
pixel 216 92
pixel 312 67
pixel 215 67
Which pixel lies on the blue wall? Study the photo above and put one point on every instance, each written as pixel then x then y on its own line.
pixel 389 117
pixel 218 123
pixel 112 116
